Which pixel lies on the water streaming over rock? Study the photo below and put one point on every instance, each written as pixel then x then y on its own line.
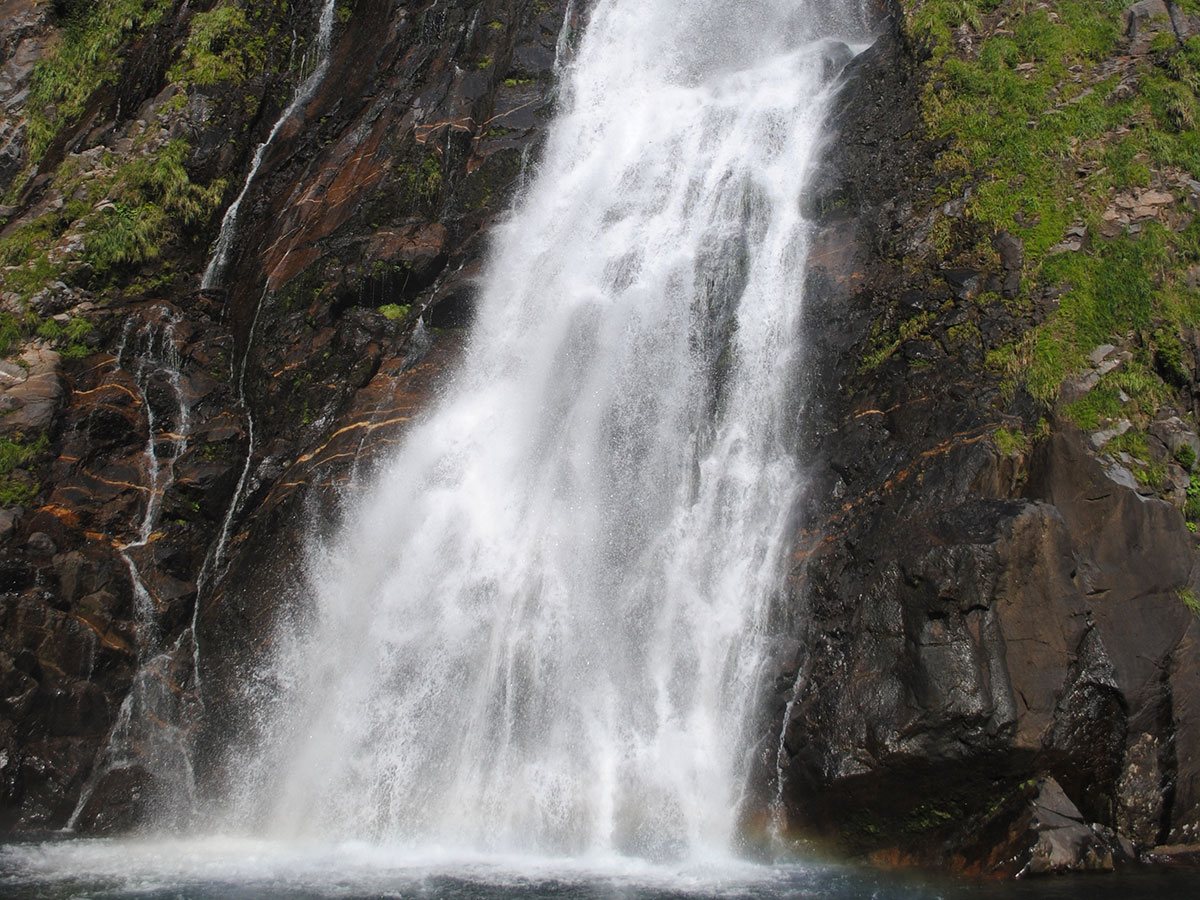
pixel 311 81
pixel 149 742
pixel 544 626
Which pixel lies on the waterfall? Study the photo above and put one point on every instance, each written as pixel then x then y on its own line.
pixel 220 255
pixel 544 626
pixel 150 730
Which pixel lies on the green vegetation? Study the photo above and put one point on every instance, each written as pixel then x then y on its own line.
pixel 421 182
pixel 1188 596
pixel 149 198
pixel 1041 140
pixel 394 311
pixel 25 253
pixel 17 456
pixel 1185 456
pixel 1010 443
pixel 15 328
pixel 125 214
pixel 884 343
pixel 222 47
pixel 931 816
pixel 85 58
pixel 1015 115
pixel 69 339
pixel 1191 509
pixel 1135 443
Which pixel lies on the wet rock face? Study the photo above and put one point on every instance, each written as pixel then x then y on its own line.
pixel 23 38
pixel 152 530
pixel 136 456
pixel 975 619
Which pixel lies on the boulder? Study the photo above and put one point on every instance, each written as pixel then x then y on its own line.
pixel 1144 21
pixel 1061 841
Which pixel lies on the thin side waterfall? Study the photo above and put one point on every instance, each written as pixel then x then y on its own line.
pixel 216 553
pixel 544 627
pixel 150 729
pixel 220 256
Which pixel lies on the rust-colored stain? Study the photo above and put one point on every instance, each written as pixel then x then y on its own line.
pixel 109 360
pixel 287 368
pixel 119 484
pixel 107 638
pixel 809 543
pixel 422 133
pixel 369 426
pixel 892 408
pixel 68 517
pixel 110 386
pixel 325 205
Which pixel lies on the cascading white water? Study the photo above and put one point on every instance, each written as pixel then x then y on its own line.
pixel 220 255
pixel 150 729
pixel 543 627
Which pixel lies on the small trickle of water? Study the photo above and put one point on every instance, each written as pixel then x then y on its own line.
pixel 544 628
pixel 220 256
pixel 150 730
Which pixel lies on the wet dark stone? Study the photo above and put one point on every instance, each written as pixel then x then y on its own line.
pixel 119 802
pixel 41 544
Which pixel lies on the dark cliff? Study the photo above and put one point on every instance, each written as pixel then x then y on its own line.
pixel 998 669
pixel 994 662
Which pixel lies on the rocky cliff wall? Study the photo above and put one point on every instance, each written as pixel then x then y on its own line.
pixel 992 661
pixel 995 606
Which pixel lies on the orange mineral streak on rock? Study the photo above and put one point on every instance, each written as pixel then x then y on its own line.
pixel 68 517
pixel 955 442
pixel 107 637
pixel 329 199
pixel 367 426
pixel 422 133
pixel 109 386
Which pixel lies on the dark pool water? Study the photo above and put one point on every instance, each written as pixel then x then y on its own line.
pixel 247 870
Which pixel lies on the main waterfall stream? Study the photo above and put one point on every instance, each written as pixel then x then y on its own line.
pixel 544 626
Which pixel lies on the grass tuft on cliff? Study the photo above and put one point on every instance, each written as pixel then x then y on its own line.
pixel 125 214
pixel 86 57
pixel 221 47
pixel 17 457
pixel 1046 124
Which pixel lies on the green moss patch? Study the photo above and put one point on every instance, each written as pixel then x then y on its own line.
pixel 1043 130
